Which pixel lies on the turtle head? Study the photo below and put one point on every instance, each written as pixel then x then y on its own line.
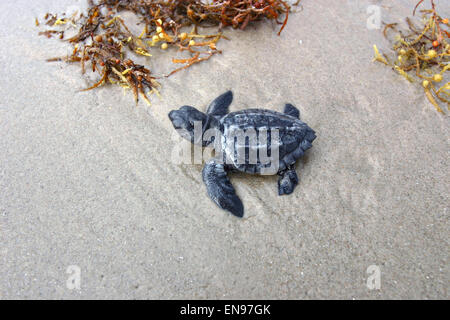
pixel 191 124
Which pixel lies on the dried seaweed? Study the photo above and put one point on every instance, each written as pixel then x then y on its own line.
pixel 422 54
pixel 103 38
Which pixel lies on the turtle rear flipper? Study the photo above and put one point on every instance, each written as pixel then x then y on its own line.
pixel 219 107
pixel 290 110
pixel 220 189
pixel 288 181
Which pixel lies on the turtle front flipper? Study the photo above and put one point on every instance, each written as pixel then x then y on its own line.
pixel 290 110
pixel 219 107
pixel 288 181
pixel 220 189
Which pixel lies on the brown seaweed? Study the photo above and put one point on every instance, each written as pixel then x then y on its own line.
pixel 103 38
pixel 422 54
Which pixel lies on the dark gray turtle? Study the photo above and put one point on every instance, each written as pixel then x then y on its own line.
pixel 237 153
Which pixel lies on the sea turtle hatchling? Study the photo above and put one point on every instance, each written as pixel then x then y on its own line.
pixel 235 154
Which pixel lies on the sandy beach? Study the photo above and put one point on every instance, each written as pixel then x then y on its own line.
pixel 87 180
